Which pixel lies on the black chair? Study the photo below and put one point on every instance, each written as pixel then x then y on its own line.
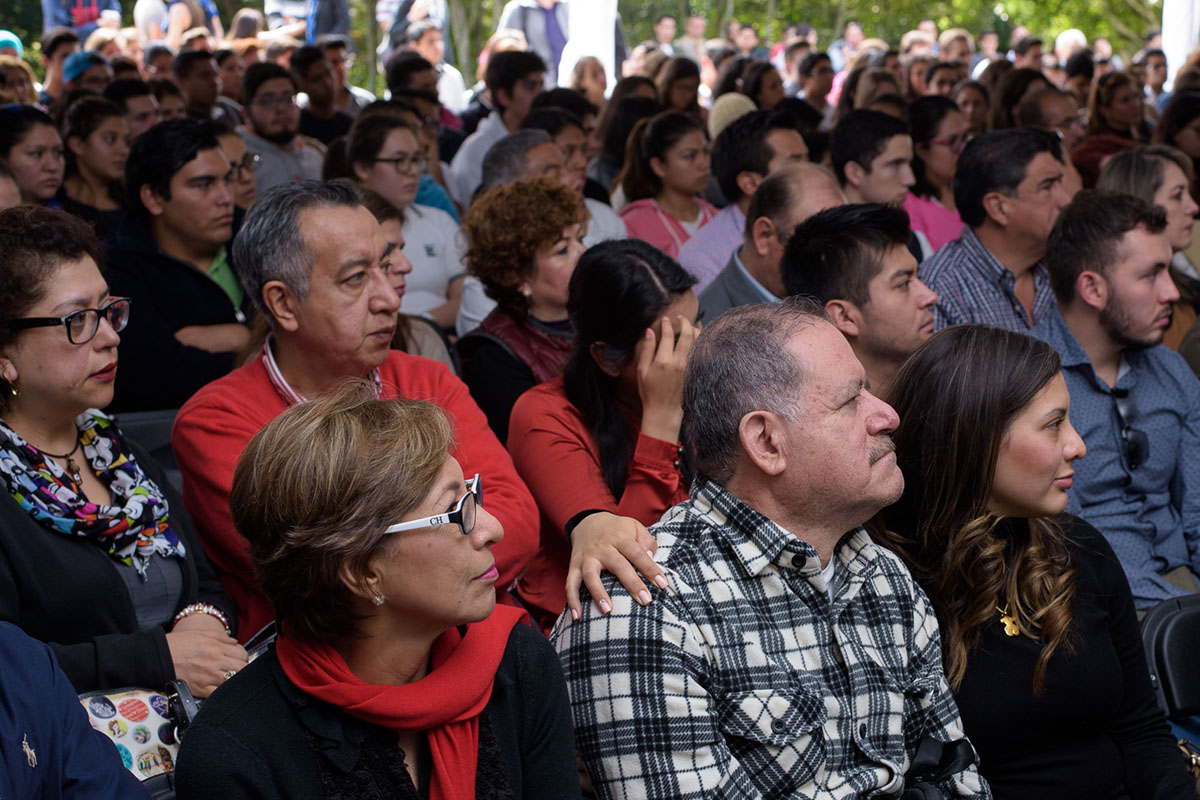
pixel 1171 636
pixel 152 430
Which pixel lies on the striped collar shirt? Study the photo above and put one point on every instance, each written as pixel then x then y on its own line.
pixel 751 677
pixel 973 287
pixel 285 390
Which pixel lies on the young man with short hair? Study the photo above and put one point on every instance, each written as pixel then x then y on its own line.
pixel 272 128
pixel 1135 403
pixel 339 51
pixel 86 70
pixel 746 151
pixel 514 78
pixel 137 100
pixel 171 256
pixel 320 118
pixel 854 259
pixel 197 75
pixel 57 44
pixel 426 38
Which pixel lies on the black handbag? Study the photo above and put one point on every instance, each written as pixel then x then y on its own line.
pixel 934 763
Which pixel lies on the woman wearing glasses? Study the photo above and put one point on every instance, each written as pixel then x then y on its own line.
pixel 385 156
pixel 939 134
pixel 394 667
pixel 97 556
pixel 1039 635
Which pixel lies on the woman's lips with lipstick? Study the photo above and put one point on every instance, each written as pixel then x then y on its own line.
pixel 490 575
pixel 108 372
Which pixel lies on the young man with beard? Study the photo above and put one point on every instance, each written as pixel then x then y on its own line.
pixel 1135 403
pixel 854 259
pixel 272 128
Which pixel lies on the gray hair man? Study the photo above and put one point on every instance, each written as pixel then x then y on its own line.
pixel 316 264
pixel 788 655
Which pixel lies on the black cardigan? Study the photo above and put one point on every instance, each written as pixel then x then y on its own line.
pixel 1096 731
pixel 260 738
pixel 66 591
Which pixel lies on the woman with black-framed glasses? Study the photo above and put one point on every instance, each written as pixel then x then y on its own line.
pixel 97 556
pixel 394 666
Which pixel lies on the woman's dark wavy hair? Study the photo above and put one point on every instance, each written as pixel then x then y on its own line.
pixel 676 69
pixel 956 397
pixel 924 117
pixel 619 119
pixel 617 291
pixel 1009 90
pixel 15 124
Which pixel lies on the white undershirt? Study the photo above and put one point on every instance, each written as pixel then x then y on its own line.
pixel 827 574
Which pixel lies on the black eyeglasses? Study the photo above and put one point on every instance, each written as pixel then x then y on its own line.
pixel 463 514
pixel 82 325
pixel 1136 443
pixel 249 163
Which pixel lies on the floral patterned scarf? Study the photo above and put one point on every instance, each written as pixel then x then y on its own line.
pixel 130 531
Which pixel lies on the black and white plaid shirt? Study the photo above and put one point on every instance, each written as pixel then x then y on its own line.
pixel 743 679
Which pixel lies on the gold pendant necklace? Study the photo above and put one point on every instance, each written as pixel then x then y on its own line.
pixel 1009 621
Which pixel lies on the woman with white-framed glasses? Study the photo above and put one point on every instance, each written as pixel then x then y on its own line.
pixel 394 666
pixel 97 556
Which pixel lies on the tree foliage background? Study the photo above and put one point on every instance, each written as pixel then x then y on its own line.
pixel 1124 22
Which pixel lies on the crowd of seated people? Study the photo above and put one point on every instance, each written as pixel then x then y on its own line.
pixel 837 410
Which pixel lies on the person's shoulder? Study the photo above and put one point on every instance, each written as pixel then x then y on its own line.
pixel 238 391
pixel 1175 370
pixel 941 265
pixel 242 702
pixel 433 216
pixel 546 403
pixel 637 209
pixel 407 375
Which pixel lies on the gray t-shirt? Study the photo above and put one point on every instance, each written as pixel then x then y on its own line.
pixel 278 166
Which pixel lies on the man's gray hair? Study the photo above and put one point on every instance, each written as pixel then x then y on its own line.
pixel 740 364
pixel 505 161
pixel 270 245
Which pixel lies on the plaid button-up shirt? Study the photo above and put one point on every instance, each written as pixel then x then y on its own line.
pixel 744 679
pixel 973 287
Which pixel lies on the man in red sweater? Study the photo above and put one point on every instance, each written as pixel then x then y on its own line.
pixel 315 262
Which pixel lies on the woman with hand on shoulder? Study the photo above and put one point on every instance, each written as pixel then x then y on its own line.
pixel 1041 641
pixel 395 674
pixel 97 555
pixel 97 139
pixel 606 434
pixel 523 242
pixel 31 147
pixel 665 175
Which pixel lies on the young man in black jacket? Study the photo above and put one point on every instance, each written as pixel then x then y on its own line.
pixel 171 257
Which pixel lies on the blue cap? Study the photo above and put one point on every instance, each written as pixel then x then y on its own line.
pixel 79 63
pixel 9 39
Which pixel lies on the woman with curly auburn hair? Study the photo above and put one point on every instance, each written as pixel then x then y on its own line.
pixel 1040 638
pixel 523 241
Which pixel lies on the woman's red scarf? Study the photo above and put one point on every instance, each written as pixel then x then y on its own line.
pixel 446 702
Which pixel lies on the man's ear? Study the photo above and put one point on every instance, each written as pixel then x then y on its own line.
pixel 855 174
pixel 845 316
pixel 764 441
pixel 1092 289
pixel 763 236
pixel 282 305
pixel 152 200
pixel 747 182
pixel 995 205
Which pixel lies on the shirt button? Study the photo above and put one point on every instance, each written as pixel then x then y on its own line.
pixel 862 729
pixel 777 725
pixel 676 465
pixel 798 561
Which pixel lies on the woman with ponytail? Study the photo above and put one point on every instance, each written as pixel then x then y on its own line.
pixel 665 173
pixel 606 434
pixel 1040 640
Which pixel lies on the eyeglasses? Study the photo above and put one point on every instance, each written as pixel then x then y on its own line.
pixel 463 514
pixel 270 100
pixel 405 163
pixel 249 163
pixel 1136 443
pixel 956 142
pixel 83 324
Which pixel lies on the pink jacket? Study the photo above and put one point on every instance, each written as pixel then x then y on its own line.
pixel 647 220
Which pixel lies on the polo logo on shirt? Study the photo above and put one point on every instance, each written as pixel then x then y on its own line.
pixel 430 252
pixel 30 755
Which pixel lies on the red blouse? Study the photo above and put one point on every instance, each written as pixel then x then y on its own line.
pixel 557 457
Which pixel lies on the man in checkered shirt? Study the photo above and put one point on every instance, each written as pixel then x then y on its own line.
pixel 789 657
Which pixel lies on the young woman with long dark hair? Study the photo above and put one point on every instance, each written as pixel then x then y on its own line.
pixel 939 134
pixel 1040 638
pixel 97 145
pixel 606 434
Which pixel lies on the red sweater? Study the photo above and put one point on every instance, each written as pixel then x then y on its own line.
pixel 215 425
pixel 556 455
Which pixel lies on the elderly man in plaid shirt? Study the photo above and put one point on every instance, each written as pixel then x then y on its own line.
pixel 790 656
